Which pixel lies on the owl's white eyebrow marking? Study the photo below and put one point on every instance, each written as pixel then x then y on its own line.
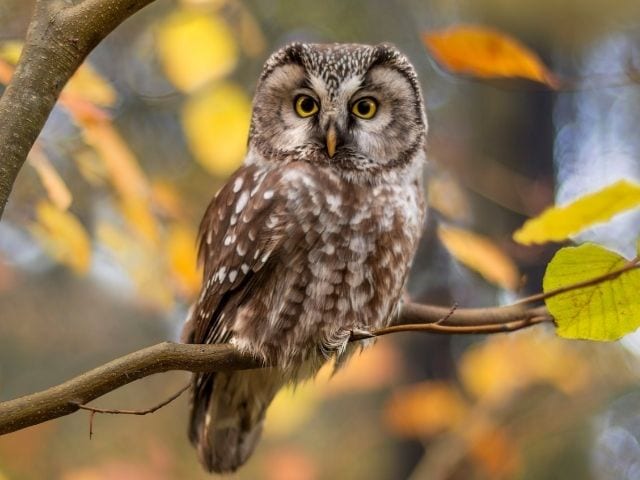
pixel 242 201
pixel 237 185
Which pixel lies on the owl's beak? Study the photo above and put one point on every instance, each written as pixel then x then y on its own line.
pixel 332 140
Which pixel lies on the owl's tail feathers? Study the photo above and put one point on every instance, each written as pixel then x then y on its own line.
pixel 227 414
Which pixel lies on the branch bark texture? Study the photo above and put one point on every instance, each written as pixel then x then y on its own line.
pixel 58 40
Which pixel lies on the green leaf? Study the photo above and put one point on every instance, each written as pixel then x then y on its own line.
pixel 605 311
pixel 558 223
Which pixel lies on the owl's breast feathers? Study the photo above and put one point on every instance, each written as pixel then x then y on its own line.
pixel 295 257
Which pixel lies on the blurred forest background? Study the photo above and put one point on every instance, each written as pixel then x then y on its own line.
pixel 97 254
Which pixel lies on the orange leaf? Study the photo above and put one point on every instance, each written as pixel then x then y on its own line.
pixel 425 409
pixel 181 248
pixel 486 53
pixel 495 451
pixel 6 72
pixel 481 254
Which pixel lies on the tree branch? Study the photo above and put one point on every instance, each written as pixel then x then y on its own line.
pixel 65 398
pixel 59 38
pixel 68 397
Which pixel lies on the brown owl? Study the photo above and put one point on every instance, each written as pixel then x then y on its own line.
pixel 312 238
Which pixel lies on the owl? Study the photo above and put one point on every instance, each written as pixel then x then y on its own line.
pixel 312 237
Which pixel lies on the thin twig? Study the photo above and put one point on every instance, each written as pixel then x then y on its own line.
pixel 465 330
pixel 155 408
pixel 93 410
pixel 444 319
pixel 631 265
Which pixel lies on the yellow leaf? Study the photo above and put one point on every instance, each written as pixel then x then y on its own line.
pixel 216 124
pixel 62 236
pixel 481 254
pixel 87 84
pixel 90 167
pixel 291 409
pixel 195 48
pixel 425 409
pixel 605 311
pixel 11 50
pixel 56 189
pixel 9 54
pixel 558 223
pixel 137 212
pixel 181 248
pixel 486 53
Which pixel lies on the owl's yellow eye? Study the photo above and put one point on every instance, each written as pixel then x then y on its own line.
pixel 365 108
pixel 305 106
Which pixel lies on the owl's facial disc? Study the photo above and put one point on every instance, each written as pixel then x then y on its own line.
pixel 354 107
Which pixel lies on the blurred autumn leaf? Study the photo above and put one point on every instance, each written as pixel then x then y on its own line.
pixel 496 452
pixel 558 223
pixel 89 85
pixel 370 370
pixel 480 254
pixel 446 195
pixel 502 366
pixel 181 241
pixel 140 261
pixel 195 47
pixel 486 53
pixel 425 409
pixel 604 311
pixel 291 409
pixel 62 236
pixel 216 124
pixel 289 462
pixel 57 190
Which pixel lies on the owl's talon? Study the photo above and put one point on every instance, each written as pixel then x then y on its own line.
pixel 358 334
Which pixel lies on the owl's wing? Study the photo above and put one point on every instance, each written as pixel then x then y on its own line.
pixel 240 231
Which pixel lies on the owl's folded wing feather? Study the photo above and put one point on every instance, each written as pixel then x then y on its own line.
pixel 239 233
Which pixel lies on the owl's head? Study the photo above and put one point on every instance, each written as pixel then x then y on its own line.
pixel 353 107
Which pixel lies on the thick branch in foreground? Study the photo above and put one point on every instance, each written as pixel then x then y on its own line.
pixel 65 398
pixel 68 397
pixel 58 40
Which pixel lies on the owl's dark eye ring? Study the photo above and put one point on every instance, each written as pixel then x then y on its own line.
pixel 305 106
pixel 365 108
